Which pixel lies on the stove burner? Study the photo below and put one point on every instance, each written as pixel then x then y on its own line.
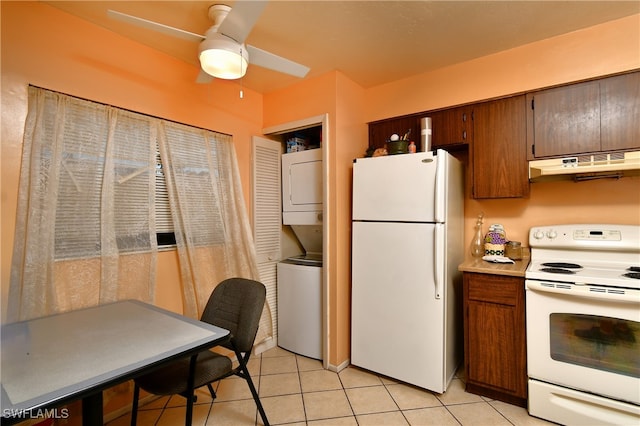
pixel 562 265
pixel 557 271
pixel 633 269
pixel 634 275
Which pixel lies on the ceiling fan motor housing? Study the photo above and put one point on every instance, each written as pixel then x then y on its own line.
pixel 217 13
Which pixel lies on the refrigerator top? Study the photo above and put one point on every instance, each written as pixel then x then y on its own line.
pixel 402 187
pixel 399 157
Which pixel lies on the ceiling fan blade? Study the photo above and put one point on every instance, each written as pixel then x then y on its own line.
pixel 155 26
pixel 241 19
pixel 265 59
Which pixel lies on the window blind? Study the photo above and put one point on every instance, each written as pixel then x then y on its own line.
pixel 164 224
pixel 77 217
pixel 193 165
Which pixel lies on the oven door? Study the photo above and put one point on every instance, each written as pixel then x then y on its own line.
pixel 585 338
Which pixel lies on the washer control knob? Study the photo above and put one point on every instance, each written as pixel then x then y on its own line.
pixel 538 235
pixel 552 234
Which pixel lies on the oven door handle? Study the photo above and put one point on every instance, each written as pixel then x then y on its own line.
pixel 618 295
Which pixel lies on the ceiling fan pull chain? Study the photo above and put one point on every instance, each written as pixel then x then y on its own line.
pixel 242 74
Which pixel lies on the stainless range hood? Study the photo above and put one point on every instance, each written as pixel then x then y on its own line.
pixel 586 167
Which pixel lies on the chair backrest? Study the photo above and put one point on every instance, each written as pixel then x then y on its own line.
pixel 236 304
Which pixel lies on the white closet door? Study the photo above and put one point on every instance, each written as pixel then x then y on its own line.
pixel 266 213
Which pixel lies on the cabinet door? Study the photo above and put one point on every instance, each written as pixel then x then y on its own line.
pixel 565 120
pixel 620 112
pixel 451 127
pixel 381 131
pixel 495 336
pixel 499 149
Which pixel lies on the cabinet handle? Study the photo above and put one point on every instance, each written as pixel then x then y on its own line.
pixel 464 135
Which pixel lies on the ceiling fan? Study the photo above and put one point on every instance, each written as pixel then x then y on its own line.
pixel 222 51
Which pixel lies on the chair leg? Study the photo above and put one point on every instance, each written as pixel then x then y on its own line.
pixel 256 398
pixel 134 405
pixel 211 391
pixel 245 372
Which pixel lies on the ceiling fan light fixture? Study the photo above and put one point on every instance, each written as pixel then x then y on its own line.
pixel 223 58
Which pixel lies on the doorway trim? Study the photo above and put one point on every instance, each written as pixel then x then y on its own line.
pixel 292 126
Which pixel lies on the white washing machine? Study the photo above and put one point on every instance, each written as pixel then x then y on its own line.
pixel 300 305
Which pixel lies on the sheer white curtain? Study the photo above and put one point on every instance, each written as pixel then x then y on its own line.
pixel 211 225
pixel 84 232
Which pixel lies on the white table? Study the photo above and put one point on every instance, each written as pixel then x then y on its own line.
pixel 48 362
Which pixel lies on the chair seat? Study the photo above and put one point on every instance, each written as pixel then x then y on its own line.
pixel 172 379
pixel 235 304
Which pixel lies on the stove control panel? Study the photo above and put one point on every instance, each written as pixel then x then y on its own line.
pixel 603 235
pixel 607 237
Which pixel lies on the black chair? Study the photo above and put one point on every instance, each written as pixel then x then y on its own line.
pixel 236 304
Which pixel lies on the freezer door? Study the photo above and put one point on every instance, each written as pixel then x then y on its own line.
pixel 397 317
pixel 400 188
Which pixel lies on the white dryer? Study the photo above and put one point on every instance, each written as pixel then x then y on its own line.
pixel 302 188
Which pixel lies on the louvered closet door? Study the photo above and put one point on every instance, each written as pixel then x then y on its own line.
pixel 267 212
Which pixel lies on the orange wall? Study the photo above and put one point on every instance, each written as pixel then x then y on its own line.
pixel 599 50
pixel 350 131
pixel 54 50
pixel 343 101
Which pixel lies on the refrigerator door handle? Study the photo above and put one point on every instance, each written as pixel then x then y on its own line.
pixel 440 186
pixel 438 258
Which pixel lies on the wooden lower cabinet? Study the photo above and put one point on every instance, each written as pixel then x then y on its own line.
pixel 495 352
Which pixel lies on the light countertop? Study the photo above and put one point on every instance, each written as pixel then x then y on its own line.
pixel 476 264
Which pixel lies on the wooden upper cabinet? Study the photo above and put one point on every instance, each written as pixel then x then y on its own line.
pixel 565 120
pixel 620 112
pixel 499 149
pixel 381 131
pixel 451 127
pixel 585 118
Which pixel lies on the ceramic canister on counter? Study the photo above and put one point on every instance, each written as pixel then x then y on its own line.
pixel 495 241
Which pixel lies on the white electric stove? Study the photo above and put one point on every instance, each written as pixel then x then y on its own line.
pixel 583 324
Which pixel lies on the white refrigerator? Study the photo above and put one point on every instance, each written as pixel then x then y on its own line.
pixel 407 243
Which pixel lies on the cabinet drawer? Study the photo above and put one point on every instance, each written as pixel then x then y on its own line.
pixel 492 288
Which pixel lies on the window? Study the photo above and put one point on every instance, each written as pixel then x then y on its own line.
pixel 165 237
pixel 195 167
pixel 112 175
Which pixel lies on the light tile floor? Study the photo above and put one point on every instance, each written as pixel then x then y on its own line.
pixel 295 390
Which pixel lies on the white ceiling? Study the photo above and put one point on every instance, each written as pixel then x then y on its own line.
pixel 371 42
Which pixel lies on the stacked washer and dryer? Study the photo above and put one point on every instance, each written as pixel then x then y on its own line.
pixel 299 288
